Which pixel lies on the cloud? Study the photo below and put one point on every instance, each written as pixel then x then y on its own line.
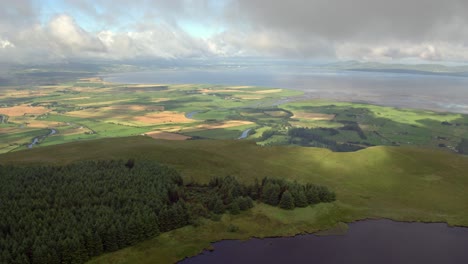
pixel 361 29
pixel 65 32
pixel 63 39
pixel 382 30
pixel 4 44
pixel 154 41
pixel 269 43
pixel 126 30
pixel 345 20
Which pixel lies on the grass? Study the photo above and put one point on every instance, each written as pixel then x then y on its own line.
pixel 261 221
pixel 400 183
pixel 22 137
pixel 383 125
pixel 400 115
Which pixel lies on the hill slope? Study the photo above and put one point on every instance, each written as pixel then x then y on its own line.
pixel 407 184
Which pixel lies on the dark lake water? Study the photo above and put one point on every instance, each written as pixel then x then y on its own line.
pixel 372 241
pixel 441 93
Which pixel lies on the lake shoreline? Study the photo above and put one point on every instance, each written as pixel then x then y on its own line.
pixel 212 247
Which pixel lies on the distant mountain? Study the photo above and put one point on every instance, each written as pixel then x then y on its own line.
pixel 424 69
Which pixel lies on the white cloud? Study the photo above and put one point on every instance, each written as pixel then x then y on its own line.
pixel 428 51
pixel 64 31
pixel 4 44
pixel 267 43
pixel 62 38
pixel 159 41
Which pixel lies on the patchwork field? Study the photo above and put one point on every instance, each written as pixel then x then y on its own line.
pixel 91 108
pixel 22 110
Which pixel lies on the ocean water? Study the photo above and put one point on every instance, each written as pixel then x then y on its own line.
pixel 432 92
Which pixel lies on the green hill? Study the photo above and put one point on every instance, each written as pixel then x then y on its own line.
pixel 401 183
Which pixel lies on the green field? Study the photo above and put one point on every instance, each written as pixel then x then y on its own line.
pixel 382 162
pixel 401 183
pixel 92 109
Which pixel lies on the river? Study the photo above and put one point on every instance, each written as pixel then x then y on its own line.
pixel 440 93
pixel 191 114
pixel 370 241
pixel 39 138
pixel 245 133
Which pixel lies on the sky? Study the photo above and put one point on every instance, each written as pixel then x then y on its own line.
pixel 47 31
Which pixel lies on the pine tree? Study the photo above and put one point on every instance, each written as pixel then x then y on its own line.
pixel 271 193
pixel 52 257
pixel 96 244
pixel 218 207
pixel 312 195
pixel 325 195
pixel 242 202
pixel 249 202
pixel 287 201
pixel 300 199
pixel 110 240
pixel 234 207
pixel 164 220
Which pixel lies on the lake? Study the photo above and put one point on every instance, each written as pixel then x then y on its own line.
pixel 370 241
pixel 434 92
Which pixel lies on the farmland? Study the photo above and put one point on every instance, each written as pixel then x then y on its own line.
pixel 91 108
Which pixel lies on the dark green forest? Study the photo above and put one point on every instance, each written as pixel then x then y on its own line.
pixel 68 214
pixel 309 138
pixel 463 146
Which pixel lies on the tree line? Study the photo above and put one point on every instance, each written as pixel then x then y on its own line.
pixel 309 137
pixel 69 214
pixel 462 147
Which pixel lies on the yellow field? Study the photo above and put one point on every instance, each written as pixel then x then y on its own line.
pixel 157 100
pixel 163 117
pixel 268 91
pixel 24 109
pixel 231 123
pixel 91 79
pixel 312 116
pixel 42 124
pixel 134 107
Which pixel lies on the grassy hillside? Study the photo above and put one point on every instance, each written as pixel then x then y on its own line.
pixel 401 183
